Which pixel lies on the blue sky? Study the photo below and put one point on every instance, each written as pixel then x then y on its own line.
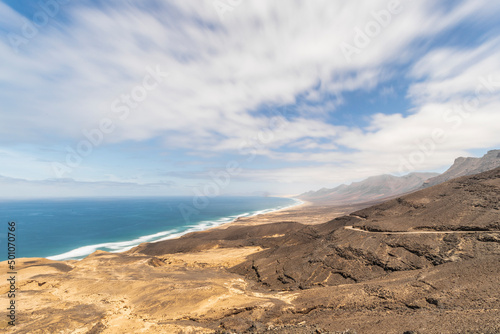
pixel 146 98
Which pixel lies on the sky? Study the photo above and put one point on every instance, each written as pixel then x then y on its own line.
pixel 240 97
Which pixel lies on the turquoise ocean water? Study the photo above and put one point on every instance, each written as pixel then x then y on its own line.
pixel 74 228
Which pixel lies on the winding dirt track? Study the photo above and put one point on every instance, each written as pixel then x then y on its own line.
pixel 352 228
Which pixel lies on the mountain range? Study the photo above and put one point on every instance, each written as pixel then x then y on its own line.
pixel 377 188
pixel 371 189
pixel 467 166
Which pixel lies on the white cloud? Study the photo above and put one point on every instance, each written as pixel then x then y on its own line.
pixel 261 53
pixel 452 72
pixel 264 53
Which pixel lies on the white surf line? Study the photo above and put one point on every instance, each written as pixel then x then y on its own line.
pixel 352 228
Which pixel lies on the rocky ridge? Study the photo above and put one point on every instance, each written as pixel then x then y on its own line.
pixel 467 166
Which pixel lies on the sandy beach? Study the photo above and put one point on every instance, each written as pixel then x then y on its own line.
pixel 306 213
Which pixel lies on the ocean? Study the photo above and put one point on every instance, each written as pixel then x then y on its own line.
pixel 74 228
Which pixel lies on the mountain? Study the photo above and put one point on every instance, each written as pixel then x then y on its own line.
pixel 467 166
pixel 381 187
pixel 427 262
pixel 370 189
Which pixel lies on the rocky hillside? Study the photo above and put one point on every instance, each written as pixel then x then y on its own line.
pixel 435 251
pixel 424 263
pixel 372 189
pixel 421 230
pixel 467 166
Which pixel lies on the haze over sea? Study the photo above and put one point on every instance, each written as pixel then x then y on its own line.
pixel 74 228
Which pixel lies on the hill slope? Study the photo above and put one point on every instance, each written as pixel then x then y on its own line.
pixel 309 256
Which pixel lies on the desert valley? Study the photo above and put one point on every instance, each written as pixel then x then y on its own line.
pixel 424 262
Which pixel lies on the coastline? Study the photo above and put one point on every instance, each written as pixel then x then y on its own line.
pixel 262 217
pixel 300 211
pixel 124 246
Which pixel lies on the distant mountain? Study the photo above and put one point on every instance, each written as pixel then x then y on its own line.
pixel 370 189
pixel 467 166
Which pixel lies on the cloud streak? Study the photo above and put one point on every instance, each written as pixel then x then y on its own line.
pixel 229 78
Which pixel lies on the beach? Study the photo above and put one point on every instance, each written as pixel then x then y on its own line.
pixel 306 213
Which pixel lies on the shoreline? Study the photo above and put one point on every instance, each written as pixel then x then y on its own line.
pixel 82 252
pixel 241 219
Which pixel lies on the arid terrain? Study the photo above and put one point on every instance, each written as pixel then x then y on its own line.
pixel 427 262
